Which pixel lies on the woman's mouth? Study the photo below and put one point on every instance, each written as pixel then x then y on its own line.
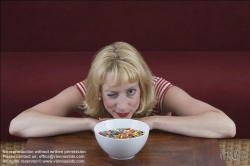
pixel 122 114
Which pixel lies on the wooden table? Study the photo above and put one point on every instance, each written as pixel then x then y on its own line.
pixel 161 148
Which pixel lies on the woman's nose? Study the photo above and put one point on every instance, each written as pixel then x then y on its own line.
pixel 122 104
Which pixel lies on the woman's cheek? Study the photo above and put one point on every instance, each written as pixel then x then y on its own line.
pixel 107 103
pixel 136 101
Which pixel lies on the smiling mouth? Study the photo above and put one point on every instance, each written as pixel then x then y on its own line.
pixel 122 114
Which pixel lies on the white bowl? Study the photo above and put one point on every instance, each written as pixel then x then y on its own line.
pixel 121 149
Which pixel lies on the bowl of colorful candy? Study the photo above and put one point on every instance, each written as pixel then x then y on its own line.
pixel 121 139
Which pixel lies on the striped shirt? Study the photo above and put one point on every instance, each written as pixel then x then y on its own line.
pixel 160 85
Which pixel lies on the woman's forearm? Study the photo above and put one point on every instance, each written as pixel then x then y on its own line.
pixel 207 125
pixel 37 124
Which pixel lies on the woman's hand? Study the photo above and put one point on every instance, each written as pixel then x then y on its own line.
pixel 150 121
pixel 103 119
pixel 92 123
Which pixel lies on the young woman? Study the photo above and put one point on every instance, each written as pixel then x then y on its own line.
pixel 120 85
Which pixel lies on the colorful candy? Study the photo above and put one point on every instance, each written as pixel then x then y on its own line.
pixel 122 133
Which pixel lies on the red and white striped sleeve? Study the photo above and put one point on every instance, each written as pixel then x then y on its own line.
pixel 81 86
pixel 161 86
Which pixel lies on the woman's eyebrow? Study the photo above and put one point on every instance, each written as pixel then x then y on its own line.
pixel 133 87
pixel 136 86
pixel 110 91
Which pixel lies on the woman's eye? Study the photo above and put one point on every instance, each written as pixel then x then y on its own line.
pixel 111 95
pixel 131 91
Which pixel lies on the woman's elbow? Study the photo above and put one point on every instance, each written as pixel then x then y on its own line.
pixel 15 130
pixel 230 130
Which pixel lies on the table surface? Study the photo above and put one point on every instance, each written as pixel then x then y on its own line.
pixel 161 148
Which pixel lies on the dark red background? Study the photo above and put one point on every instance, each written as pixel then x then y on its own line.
pixel 200 46
pixel 148 25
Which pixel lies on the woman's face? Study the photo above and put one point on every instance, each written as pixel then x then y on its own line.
pixel 121 101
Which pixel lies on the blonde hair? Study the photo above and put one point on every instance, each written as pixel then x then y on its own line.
pixel 126 64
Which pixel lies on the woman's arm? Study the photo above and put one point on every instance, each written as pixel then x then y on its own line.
pixel 49 118
pixel 195 118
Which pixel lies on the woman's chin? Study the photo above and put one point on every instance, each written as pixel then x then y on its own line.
pixel 118 117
